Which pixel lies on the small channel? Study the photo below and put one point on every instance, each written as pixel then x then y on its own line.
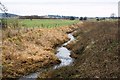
pixel 62 53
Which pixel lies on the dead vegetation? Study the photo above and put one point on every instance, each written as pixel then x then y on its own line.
pixel 95 50
pixel 26 50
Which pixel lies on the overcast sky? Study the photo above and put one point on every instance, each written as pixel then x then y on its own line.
pixel 78 8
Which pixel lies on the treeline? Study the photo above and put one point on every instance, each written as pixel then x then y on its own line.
pixel 32 17
pixel 48 17
pixel 83 18
pixel 97 18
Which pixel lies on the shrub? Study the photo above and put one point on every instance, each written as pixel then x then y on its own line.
pixel 72 18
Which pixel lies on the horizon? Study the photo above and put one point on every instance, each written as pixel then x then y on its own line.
pixel 78 8
pixel 58 15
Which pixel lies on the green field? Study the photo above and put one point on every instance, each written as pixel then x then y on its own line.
pixel 47 23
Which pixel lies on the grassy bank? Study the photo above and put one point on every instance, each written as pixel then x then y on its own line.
pixel 95 51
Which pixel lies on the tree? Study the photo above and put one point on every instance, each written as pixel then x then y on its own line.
pixel 3 9
pixel 72 18
pixel 81 18
pixel 112 15
pixel 85 18
pixel 97 18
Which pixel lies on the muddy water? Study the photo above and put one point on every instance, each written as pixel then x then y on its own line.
pixel 62 53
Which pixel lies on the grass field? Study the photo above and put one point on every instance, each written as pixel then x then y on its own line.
pixel 47 23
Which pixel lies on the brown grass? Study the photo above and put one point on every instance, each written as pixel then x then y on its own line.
pixel 95 50
pixel 26 50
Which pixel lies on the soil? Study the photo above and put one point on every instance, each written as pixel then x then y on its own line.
pixel 96 52
pixel 26 50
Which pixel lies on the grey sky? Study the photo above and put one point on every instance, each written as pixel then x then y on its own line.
pixel 62 7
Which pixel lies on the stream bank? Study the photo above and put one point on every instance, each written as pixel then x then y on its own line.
pixel 29 50
pixel 62 53
pixel 96 52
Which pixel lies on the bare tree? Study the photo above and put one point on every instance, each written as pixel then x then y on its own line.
pixel 3 9
pixel 112 15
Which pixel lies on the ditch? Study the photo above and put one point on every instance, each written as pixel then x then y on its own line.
pixel 62 53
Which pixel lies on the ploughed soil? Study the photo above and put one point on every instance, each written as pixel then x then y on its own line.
pixel 26 50
pixel 96 52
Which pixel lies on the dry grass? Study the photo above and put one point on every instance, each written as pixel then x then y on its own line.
pixel 95 50
pixel 26 50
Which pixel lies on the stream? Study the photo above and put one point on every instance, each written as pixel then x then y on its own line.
pixel 62 53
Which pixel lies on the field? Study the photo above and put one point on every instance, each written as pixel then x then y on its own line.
pixel 28 49
pixel 48 23
pixel 37 23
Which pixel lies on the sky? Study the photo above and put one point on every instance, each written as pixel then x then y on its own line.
pixel 80 8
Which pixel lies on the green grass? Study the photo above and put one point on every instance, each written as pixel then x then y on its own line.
pixel 46 23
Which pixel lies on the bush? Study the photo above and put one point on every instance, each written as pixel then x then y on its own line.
pixel 72 18
pixel 85 18
pixel 4 23
pixel 81 18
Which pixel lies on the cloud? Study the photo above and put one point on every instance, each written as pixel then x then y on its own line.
pixel 66 7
